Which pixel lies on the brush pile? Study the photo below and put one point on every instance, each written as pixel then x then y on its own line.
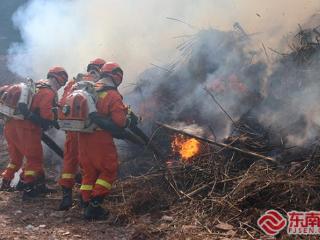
pixel 218 192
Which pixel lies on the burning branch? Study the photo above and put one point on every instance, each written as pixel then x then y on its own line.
pixel 216 143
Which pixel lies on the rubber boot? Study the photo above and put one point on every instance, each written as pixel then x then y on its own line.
pixel 20 186
pixel 83 204
pixel 66 202
pixel 5 185
pixel 95 211
pixel 29 191
pixel 78 178
pixel 41 185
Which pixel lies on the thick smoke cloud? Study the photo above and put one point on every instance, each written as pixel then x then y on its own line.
pixel 133 33
pixel 138 33
pixel 219 61
pixel 282 94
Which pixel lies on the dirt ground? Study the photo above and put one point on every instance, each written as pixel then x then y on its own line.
pixel 134 215
pixel 38 219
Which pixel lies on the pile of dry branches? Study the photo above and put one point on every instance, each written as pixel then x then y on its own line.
pixel 305 44
pixel 222 191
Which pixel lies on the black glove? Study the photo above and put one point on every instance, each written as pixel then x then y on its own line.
pixel 55 124
pixel 120 135
pixel 107 124
pixel 132 120
pixel 43 123
pixel 33 117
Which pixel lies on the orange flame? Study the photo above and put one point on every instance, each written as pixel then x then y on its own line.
pixel 187 148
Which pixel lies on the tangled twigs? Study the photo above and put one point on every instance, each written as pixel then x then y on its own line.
pixel 225 186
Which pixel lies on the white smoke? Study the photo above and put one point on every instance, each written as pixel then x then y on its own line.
pixel 190 128
pixel 133 33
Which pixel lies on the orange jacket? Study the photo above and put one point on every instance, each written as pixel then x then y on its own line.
pixel 97 151
pixel 110 104
pixel 43 101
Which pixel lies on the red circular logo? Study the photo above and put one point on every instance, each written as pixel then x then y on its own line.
pixel 272 222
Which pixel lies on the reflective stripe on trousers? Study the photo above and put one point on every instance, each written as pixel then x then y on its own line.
pixel 30 173
pixel 67 176
pixel 103 183
pixel 86 187
pixel 11 166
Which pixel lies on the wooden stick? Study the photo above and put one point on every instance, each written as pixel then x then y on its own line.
pixel 265 51
pixel 215 143
pixel 220 106
pixel 189 195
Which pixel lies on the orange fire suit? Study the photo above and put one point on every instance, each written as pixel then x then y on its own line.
pixel 71 151
pixel 24 138
pixel 70 154
pixel 98 154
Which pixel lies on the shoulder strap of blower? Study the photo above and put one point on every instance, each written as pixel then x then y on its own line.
pixel 108 88
pixel 106 123
pixel 35 117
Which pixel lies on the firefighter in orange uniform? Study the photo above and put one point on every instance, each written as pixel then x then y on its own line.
pixel 70 156
pixel 24 136
pixel 98 154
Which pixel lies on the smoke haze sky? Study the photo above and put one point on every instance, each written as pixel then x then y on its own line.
pixel 135 33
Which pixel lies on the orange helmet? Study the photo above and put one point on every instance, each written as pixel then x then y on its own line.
pixel 59 73
pixel 113 70
pixel 95 64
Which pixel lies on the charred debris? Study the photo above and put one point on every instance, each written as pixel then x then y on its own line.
pixel 223 89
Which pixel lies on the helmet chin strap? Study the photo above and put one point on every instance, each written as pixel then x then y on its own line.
pixel 115 84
